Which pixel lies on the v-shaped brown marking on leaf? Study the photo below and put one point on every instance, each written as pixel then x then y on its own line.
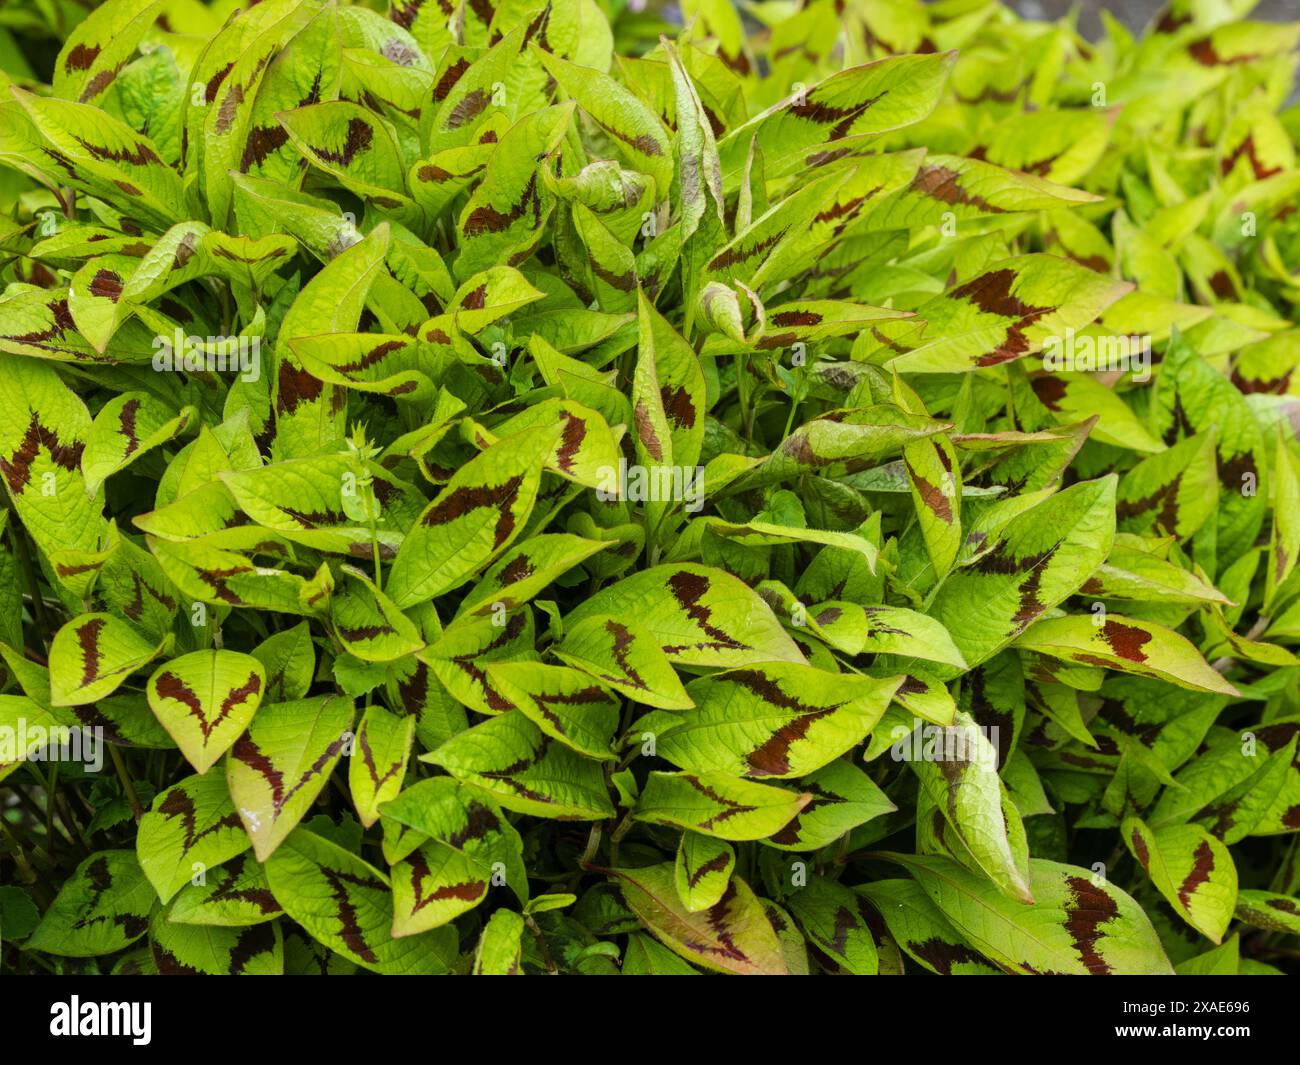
pixel 466 891
pixel 1202 867
pixel 732 807
pixel 170 686
pixel 772 757
pixel 465 500
pixel 100 881
pixel 1089 909
pixel 359 137
pixel 716 864
pixel 991 292
pixel 350 927
pixel 469 663
pixel 88 641
pixel 584 697
pixel 480 822
pixel 487 219
pixel 226 891
pixel 368 757
pixel 506 775
pixel 247 751
pixel 179 804
pixel 716 917
pixel 825 114
pixel 216 580
pixel 18 469
pixel 620 652
pixel 1002 560
pixel 688 589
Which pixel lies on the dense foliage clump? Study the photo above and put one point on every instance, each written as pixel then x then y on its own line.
pixel 522 487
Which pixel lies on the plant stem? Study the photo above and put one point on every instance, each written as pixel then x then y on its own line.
pixel 125 777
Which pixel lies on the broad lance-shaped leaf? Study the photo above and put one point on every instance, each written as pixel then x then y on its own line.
pixel 1127 644
pixel 1074 926
pixel 718 805
pixel 377 764
pixel 525 769
pixel 128 426
pixel 935 477
pixel 93 654
pixel 1010 310
pixel 1192 397
pixel 891 630
pixel 700 616
pixel 289 658
pixel 564 703
pixel 192 950
pixel 1041 556
pixel 1172 493
pixel 107 158
pixel 843 442
pixel 1192 869
pixel 963 782
pixel 621 654
pixel 191 827
pixel 347 904
pixel 458 657
pixel 308 414
pixel 856 103
pixel 586 451
pixel 284 760
pixel 703 870
pixel 732 936
pixel 434 884
pixel 503 221
pixel 635 131
pixel 835 920
pixel 464 818
pixel 224 578
pixel 475 517
pixel 205 700
pixel 44 427
pixel 352 144
pixel 234 895
pixel 526 568
pixel 1269 911
pixel 949 187
pixel 500 948
pixel 775 720
pixel 99 47
pixel 369 625
pixel 101 908
pixel 843 797
pixel 667 398
pixel 922 931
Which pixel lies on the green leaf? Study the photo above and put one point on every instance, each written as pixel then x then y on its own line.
pixel 101 908
pixel 346 904
pixel 190 827
pixel 205 700
pixel 525 769
pixel 733 936
pixel 1191 869
pixel 1074 926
